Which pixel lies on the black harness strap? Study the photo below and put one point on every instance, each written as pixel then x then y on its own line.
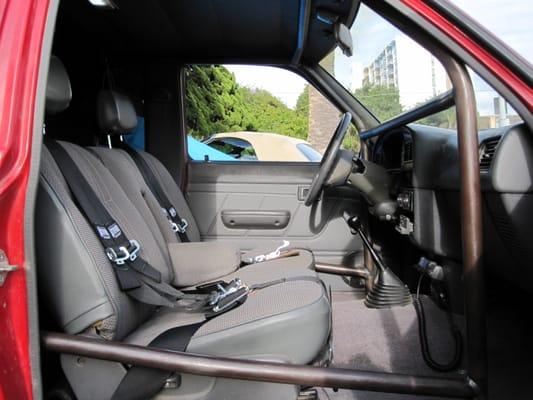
pixel 179 225
pixel 259 286
pixel 141 383
pixel 135 276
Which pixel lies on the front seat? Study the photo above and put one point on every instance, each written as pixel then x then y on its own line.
pixel 117 117
pixel 287 322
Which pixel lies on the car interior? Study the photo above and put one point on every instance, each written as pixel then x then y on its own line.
pixel 353 262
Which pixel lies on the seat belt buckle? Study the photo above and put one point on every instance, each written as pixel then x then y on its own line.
pixel 224 290
pixel 124 253
pixel 231 300
pixel 181 227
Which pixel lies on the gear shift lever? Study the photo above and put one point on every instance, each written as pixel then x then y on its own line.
pixel 388 290
pixel 355 224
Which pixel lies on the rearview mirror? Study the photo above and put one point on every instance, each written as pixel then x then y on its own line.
pixel 343 39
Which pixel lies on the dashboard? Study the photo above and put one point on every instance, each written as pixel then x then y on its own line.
pixel 424 167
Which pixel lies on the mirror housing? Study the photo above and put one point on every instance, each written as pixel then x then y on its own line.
pixel 343 38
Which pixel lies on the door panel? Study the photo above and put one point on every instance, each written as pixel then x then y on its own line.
pixel 257 195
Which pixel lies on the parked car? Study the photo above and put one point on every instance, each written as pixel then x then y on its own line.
pixel 200 151
pixel 263 146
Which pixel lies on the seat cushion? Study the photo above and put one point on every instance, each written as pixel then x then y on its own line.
pixel 288 321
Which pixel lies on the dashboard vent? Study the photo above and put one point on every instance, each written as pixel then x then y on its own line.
pixel 486 153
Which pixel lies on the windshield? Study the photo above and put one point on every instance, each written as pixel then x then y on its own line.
pixel 509 20
pixel 389 73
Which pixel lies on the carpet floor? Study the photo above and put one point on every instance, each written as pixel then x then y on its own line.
pixel 384 341
pixel 388 341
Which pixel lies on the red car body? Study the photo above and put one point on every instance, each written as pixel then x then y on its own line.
pixel 22 25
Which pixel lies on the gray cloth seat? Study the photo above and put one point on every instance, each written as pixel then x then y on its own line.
pixel 123 168
pixel 288 322
pixel 117 117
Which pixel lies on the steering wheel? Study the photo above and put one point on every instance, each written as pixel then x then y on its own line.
pixel 327 164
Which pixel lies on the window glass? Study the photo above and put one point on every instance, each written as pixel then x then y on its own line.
pixel 388 73
pixel 256 113
pixel 510 21
pixel 237 148
pixel 309 152
pixel 391 73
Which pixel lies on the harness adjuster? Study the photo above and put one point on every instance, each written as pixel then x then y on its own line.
pixel 123 253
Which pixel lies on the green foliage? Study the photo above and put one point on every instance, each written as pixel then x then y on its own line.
pixel 382 101
pixel 267 113
pixel 302 104
pixel 351 140
pixel 217 103
pixel 443 119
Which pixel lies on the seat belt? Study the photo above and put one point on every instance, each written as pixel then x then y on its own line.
pixel 141 383
pixel 136 277
pixel 178 224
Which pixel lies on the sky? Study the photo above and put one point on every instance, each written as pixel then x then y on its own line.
pixel 285 85
pixel 510 20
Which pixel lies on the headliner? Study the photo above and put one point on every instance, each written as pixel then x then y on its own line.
pixel 210 31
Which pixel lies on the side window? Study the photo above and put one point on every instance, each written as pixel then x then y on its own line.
pixel 255 113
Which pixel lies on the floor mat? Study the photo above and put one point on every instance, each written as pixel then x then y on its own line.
pixel 385 341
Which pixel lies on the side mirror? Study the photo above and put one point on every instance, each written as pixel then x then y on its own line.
pixel 343 38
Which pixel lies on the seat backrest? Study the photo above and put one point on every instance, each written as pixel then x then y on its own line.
pixel 115 119
pixel 77 280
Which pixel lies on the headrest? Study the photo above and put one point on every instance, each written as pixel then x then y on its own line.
pixel 58 90
pixel 116 113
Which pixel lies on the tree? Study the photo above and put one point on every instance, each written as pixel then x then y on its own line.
pixel 382 101
pixel 302 104
pixel 266 113
pixel 215 102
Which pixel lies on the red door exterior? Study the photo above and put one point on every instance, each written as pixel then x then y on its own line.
pixel 21 31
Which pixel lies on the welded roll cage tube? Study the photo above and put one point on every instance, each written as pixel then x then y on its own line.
pixel 474 382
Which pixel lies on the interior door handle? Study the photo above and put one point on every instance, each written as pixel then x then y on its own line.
pixel 250 219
